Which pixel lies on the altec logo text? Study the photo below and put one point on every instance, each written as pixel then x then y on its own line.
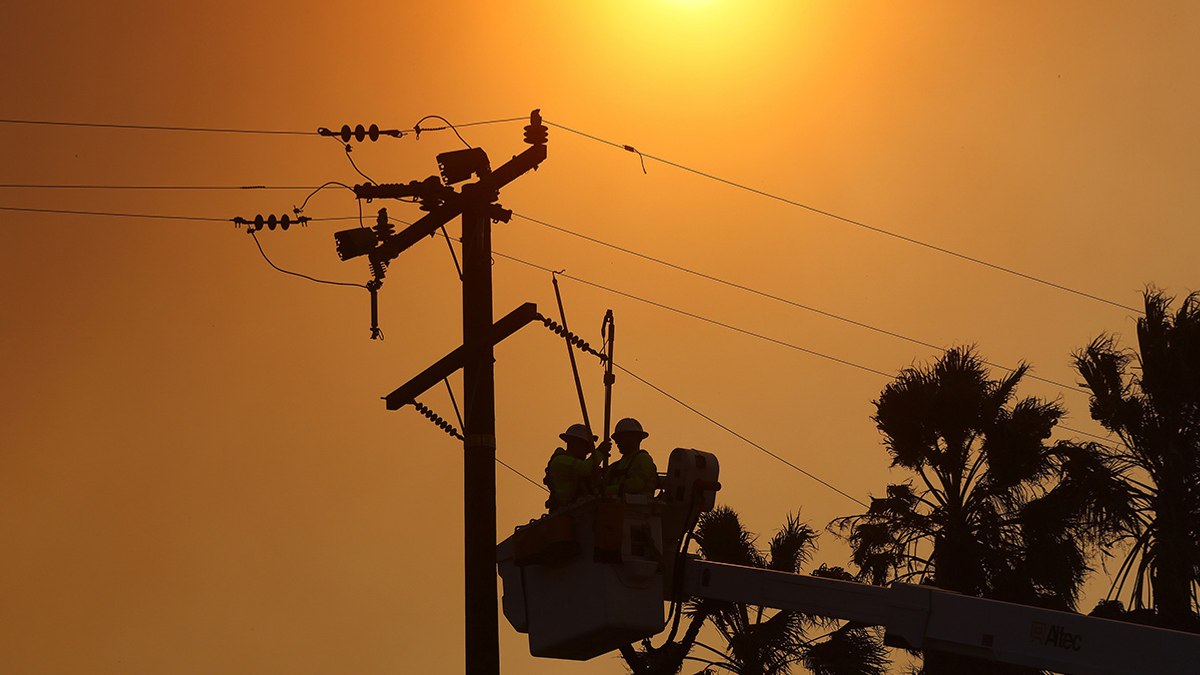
pixel 1058 636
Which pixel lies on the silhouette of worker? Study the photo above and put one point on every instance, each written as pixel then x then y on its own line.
pixel 571 473
pixel 634 473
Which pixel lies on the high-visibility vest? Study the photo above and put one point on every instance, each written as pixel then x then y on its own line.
pixel 633 474
pixel 569 477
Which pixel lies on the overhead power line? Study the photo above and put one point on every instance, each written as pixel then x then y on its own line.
pixel 228 130
pixel 844 219
pixel 156 216
pixel 769 296
pixel 728 326
pixel 514 259
pixel 159 127
pixel 722 324
pixel 47 186
pixel 820 480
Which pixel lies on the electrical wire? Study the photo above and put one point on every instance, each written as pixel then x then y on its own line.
pixel 158 216
pixel 729 326
pixel 417 127
pixel 496 253
pixel 660 390
pixel 693 409
pixel 255 237
pixel 621 146
pixel 324 185
pixel 348 148
pixel 771 296
pixel 693 315
pixel 159 127
pixel 849 221
pixel 531 481
pixel 221 130
pixel 43 186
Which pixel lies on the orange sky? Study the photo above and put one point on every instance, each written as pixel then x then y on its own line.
pixel 196 474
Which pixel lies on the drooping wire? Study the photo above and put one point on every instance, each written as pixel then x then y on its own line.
pixel 300 209
pixel 849 221
pixel 771 296
pixel 348 148
pixel 417 127
pixel 297 274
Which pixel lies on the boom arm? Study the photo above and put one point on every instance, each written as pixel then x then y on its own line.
pixel 922 617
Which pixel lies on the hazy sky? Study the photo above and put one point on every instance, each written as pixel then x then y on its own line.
pixel 196 472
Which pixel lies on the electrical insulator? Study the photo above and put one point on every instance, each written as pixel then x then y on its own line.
pixel 536 133
pixel 271 222
pixel 383 228
pixel 360 133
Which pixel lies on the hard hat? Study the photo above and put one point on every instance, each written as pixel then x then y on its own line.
pixel 629 426
pixel 578 432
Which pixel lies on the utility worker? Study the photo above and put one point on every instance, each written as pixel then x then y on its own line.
pixel 635 473
pixel 572 473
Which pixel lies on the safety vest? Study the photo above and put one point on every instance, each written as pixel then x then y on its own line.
pixel 633 474
pixel 569 478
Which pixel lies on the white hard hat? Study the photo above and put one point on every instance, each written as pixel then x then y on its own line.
pixel 629 426
pixel 578 432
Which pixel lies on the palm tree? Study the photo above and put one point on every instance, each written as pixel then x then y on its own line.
pixel 984 514
pixel 757 640
pixel 1150 398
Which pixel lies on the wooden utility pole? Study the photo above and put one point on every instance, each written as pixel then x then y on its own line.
pixel 477 204
pixel 479 445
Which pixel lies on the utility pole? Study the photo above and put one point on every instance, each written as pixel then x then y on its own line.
pixel 479 444
pixel 477 204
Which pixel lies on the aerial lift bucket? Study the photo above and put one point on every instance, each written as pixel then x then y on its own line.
pixel 593 578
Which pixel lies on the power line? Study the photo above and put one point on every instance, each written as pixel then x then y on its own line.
pixel 228 130
pixel 731 431
pixel 844 219
pixel 770 296
pixel 501 255
pixel 297 274
pixel 46 186
pixel 159 127
pixel 156 216
pixel 722 324
pixel 531 481
pixel 714 322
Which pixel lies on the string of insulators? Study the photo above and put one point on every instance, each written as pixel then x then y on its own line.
pixel 437 420
pixel 271 222
pixel 360 133
pixel 571 338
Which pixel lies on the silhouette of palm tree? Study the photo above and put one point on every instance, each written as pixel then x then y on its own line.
pixel 758 640
pixel 987 517
pixel 1150 398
